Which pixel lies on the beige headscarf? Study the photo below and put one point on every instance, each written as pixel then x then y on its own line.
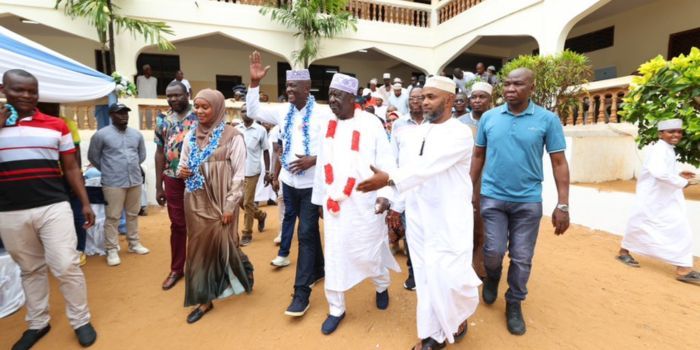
pixel 216 101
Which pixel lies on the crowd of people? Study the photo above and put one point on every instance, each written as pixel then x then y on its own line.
pixel 436 164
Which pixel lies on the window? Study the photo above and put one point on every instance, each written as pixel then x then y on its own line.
pixel 593 41
pixel 682 42
pixel 226 83
pixel 320 79
pixel 164 68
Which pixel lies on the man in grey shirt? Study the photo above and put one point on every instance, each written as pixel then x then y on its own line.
pixel 255 137
pixel 117 152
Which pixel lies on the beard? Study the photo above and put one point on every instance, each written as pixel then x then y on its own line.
pixel 435 115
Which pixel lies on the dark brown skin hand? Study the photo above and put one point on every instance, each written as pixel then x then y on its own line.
pixel 160 196
pixel 560 221
pixel 301 164
pixel 4 114
pixel 381 205
pixel 185 173
pixel 374 182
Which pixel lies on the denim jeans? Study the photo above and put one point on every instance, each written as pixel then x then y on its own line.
pixel 510 226
pixel 310 263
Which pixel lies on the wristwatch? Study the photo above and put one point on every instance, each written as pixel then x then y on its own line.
pixel 563 207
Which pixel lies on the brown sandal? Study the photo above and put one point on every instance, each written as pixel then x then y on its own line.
pixel 461 331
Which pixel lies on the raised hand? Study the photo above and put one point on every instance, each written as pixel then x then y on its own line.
pixel 257 70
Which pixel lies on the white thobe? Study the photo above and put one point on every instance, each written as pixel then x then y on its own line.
pixel 658 226
pixel 356 240
pixel 438 191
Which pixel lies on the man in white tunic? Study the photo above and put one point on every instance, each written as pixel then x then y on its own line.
pixel 658 226
pixel 438 190
pixel 356 240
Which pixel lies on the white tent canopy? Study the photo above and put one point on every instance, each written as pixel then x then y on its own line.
pixel 61 79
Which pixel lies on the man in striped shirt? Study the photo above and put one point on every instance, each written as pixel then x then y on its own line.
pixel 36 154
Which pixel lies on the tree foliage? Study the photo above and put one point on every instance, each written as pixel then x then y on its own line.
pixel 312 20
pixel 102 16
pixel 667 90
pixel 558 78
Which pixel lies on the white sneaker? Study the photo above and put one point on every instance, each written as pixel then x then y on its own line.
pixel 138 249
pixel 280 261
pixel 113 258
pixel 278 239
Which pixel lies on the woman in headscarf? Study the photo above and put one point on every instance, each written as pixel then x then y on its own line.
pixel 212 163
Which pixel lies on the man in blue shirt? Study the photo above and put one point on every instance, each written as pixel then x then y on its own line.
pixel 512 138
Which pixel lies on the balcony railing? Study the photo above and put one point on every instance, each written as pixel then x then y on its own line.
pixel 600 104
pixel 396 12
pixel 452 8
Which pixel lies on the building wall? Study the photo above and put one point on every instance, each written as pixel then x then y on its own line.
pixel 79 49
pixel 641 33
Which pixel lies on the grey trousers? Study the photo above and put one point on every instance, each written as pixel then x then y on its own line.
pixel 512 227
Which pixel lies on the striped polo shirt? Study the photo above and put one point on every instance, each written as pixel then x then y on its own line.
pixel 30 173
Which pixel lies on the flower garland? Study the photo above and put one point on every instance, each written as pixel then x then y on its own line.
pixel 335 194
pixel 310 102
pixel 198 156
pixel 12 120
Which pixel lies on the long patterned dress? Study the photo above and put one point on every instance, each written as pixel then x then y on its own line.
pixel 216 267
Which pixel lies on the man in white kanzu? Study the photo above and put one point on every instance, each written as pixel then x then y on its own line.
pixel 658 226
pixel 435 182
pixel 355 232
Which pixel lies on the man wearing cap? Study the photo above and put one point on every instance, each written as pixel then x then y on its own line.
pixel 399 97
pixel 301 128
pixel 379 105
pixel 479 101
pixel 658 226
pixel 355 232
pixel 492 76
pixel 386 90
pixel 117 152
pixel 514 136
pixel 437 193
pixel 462 79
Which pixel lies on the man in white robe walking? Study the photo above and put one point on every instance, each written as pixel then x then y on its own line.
pixel 658 226
pixel 437 192
pixel 356 240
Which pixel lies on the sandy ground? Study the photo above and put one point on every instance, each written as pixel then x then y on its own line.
pixel 580 298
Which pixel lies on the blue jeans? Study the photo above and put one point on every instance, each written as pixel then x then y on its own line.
pixel 310 263
pixel 510 226
pixel 288 221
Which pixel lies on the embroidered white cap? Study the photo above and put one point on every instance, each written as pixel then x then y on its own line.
pixel 386 76
pixel 670 124
pixel 345 83
pixel 373 81
pixel 397 86
pixel 442 83
pixel 366 91
pixel 482 86
pixel 296 75
pixel 376 94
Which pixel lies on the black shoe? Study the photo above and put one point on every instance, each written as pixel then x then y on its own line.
pixel 86 335
pixel 197 313
pixel 383 300
pixel 514 318
pixel 298 307
pixel 143 212
pixel 331 323
pixel 261 222
pixel 410 283
pixel 30 337
pixel 490 290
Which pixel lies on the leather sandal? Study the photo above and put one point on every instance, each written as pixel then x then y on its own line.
pixel 428 344
pixel 461 331
pixel 627 260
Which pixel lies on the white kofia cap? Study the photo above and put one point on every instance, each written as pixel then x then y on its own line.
pixel 397 86
pixel 442 83
pixel 345 83
pixel 301 74
pixel 377 95
pixel 373 81
pixel 386 76
pixel 482 86
pixel 366 91
pixel 670 124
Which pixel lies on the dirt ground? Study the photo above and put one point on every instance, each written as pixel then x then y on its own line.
pixel 580 298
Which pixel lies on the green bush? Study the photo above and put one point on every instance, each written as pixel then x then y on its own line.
pixel 667 90
pixel 558 78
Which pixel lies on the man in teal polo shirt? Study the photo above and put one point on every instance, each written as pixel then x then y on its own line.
pixel 512 137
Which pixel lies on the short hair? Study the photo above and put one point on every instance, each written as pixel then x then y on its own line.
pixel 17 72
pixel 146 65
pixel 180 84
